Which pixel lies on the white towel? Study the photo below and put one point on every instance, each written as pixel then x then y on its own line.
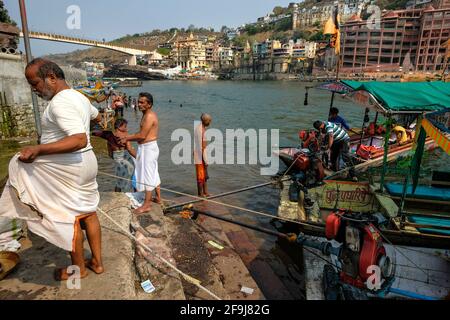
pixel 146 171
pixel 50 192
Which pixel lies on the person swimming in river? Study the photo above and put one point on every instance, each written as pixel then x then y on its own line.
pixel 122 154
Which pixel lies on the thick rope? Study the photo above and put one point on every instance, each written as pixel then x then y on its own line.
pixel 213 201
pixel 184 275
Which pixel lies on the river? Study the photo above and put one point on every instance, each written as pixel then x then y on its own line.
pixel 232 105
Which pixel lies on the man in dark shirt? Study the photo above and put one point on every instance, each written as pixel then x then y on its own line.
pixel 335 118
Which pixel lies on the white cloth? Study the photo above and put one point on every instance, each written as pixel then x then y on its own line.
pixel 50 192
pixel 146 171
pixel 68 113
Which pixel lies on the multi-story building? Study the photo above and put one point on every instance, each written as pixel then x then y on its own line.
pixel 93 69
pixel 190 53
pixel 225 57
pixel 433 50
pixel 322 11
pixel 365 45
pixel 414 37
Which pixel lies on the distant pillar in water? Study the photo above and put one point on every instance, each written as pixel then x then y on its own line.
pixel 132 61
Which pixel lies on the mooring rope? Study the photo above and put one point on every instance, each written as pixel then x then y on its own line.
pixel 184 275
pixel 212 201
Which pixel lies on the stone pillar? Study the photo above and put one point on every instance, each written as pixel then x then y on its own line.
pixel 132 61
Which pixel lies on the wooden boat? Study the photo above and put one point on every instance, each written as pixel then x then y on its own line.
pixel 361 197
pixel 287 154
pixel 389 100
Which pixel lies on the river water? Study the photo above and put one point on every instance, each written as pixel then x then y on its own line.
pixel 232 105
pixel 246 105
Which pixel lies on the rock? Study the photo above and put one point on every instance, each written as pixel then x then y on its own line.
pixel 132 72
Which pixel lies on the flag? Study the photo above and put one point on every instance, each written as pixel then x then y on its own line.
pixel 332 26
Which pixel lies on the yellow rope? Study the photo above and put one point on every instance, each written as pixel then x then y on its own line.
pixel 212 201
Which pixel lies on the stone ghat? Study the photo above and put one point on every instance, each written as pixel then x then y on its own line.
pixel 127 264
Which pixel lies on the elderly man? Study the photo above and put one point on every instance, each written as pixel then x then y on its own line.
pixel 52 186
pixel 146 171
pixel 201 166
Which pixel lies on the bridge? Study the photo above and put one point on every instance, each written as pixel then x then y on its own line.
pixel 133 52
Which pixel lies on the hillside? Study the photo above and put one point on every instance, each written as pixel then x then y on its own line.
pixel 280 30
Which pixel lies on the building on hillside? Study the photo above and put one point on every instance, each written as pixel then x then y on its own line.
pixel 413 4
pixel 433 50
pixel 416 35
pixel 190 53
pixel 322 11
pixel 226 55
pixel 93 69
pixel 365 46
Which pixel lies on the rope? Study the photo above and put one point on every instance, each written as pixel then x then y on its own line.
pixel 184 275
pixel 213 201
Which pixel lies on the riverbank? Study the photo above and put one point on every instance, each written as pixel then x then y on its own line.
pixel 128 264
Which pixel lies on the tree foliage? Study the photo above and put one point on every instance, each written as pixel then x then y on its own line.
pixel 4 15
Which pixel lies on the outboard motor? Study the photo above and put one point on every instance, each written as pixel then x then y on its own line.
pixel 363 261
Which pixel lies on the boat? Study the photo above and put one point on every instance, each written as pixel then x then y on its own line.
pixel 129 82
pixel 410 245
pixel 387 99
pixel 98 93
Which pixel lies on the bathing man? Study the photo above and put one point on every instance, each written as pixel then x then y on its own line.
pixel 146 171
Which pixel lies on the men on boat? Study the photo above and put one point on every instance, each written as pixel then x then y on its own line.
pixel 146 172
pixel 52 186
pixel 122 155
pixel 201 166
pixel 338 145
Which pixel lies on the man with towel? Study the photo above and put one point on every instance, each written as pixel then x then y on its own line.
pixel 146 170
pixel 52 186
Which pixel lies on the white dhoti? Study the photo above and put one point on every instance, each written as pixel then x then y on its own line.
pixel 146 171
pixel 50 193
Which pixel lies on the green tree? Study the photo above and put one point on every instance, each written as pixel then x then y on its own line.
pixel 278 10
pixel 283 25
pixel 317 36
pixel 223 29
pixel 163 51
pixel 4 15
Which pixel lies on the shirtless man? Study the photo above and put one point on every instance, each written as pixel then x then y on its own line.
pixel 146 172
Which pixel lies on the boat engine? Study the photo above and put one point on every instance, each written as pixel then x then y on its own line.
pixel 310 166
pixel 362 256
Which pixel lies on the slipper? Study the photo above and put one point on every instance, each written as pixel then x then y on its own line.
pixel 8 261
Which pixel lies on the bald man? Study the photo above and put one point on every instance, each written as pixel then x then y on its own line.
pixel 201 166
pixel 52 186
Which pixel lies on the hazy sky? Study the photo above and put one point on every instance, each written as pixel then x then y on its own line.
pixel 115 18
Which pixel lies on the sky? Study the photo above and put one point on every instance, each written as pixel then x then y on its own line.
pixel 112 19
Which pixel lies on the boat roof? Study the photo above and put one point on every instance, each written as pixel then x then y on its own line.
pixel 400 97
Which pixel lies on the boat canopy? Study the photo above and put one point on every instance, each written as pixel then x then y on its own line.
pixel 400 97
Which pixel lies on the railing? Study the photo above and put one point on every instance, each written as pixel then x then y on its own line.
pixel 34 34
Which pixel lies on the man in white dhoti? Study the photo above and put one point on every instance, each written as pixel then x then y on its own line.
pixel 52 186
pixel 146 170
